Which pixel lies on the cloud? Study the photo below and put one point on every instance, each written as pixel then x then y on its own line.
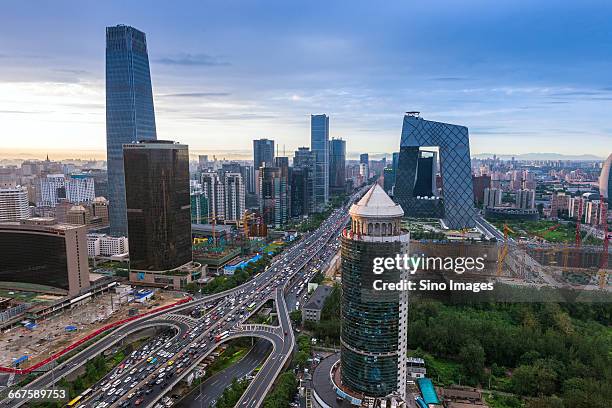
pixel 24 112
pixel 195 95
pixel 194 60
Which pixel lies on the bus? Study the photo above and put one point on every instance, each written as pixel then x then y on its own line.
pixel 251 307
pixel 221 336
pixel 75 401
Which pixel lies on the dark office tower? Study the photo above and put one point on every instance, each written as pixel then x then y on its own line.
pixel 426 180
pixel 130 115
pixel 364 158
pixel 303 160
pixel 303 157
pixel 388 179
pixel 319 145
pixel 158 205
pixel 374 322
pixel 272 191
pixel 263 152
pixel 285 196
pixel 299 191
pixel 337 165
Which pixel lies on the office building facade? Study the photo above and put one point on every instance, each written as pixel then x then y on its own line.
pixel 263 152
pixel 319 145
pixel 130 115
pixel 60 263
pixel 272 206
pixel 374 322
pixel 456 206
pixel 158 205
pixel 337 166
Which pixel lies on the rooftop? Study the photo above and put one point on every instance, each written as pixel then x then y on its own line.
pixel 318 297
pixel 376 203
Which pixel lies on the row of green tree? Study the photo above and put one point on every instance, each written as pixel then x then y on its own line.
pixel 232 394
pixel 283 392
pixel 544 349
pixel 241 275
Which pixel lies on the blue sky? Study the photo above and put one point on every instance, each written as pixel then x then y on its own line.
pixel 524 77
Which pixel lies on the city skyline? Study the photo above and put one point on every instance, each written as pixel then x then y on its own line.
pixel 218 86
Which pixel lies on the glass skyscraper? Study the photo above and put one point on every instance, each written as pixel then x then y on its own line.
pixel 158 205
pixel 337 165
pixel 319 145
pixel 457 204
pixel 130 115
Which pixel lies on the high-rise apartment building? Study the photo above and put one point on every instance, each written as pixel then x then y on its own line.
pixel 319 145
pixel 492 197
pixel 14 204
pixel 158 205
pixel 337 165
pixel 130 115
pixel 234 194
pixel 213 189
pixel 199 203
pixel 525 199
pixel 75 188
pixel 374 322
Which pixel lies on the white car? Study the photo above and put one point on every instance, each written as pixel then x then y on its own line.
pixel 111 392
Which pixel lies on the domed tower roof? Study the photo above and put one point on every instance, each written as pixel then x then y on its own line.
pixel 376 204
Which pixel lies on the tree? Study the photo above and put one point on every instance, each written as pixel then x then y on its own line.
pixel 472 357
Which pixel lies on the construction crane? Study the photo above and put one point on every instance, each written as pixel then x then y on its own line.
pixel 503 252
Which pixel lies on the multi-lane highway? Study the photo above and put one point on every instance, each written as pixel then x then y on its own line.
pixel 150 373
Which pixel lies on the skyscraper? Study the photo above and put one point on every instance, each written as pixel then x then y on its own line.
pixel 302 182
pixel 158 205
pixel 263 152
pixel 130 115
pixel 374 322
pixel 337 165
pixel 605 179
pixel 273 189
pixel 233 186
pixel 457 206
pixel 319 145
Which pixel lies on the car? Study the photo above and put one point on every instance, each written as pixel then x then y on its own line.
pixel 111 392
pixel 138 401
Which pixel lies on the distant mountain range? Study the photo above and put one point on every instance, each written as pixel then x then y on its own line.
pixel 540 156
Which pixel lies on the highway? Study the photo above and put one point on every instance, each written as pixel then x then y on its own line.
pixel 149 374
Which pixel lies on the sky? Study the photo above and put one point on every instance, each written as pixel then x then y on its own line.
pixel 523 76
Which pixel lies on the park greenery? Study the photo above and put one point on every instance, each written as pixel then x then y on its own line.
pixel 550 231
pixel 544 355
pixel 283 392
pixel 232 394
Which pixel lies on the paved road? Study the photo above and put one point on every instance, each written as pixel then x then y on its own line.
pixel 224 316
pixel 211 389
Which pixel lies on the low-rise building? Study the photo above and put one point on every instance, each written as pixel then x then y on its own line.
pixel 311 312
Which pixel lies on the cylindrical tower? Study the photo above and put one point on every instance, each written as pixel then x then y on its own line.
pixel 373 340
